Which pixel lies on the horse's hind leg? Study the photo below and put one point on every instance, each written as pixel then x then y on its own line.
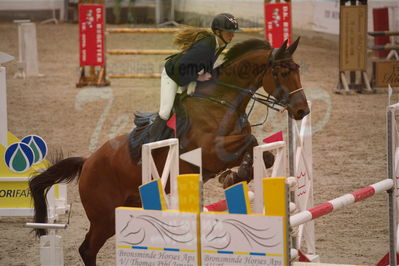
pixel 84 252
pixel 99 233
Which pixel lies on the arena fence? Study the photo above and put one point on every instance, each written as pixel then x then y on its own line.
pixel 150 52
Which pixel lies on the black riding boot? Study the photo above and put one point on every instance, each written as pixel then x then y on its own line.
pixel 157 129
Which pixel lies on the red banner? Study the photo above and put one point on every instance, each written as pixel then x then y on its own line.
pixel 91 37
pixel 278 23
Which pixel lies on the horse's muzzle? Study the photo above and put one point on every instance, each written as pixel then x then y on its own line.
pixel 300 113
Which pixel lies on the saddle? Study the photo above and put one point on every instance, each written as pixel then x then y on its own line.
pixel 143 122
pixel 143 118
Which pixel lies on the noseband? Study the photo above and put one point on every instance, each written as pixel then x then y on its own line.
pixel 272 100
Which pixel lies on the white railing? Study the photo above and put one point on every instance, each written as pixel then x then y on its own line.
pixel 170 169
pixel 302 163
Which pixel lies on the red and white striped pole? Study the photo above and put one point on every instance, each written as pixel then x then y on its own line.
pixel 221 206
pixel 340 202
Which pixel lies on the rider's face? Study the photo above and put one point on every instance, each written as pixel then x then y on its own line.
pixel 227 35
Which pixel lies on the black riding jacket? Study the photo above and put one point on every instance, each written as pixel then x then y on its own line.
pixel 184 67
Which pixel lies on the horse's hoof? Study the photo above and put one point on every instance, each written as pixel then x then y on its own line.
pixel 230 179
pixel 223 175
pixel 268 159
pixel 245 172
pixel 226 172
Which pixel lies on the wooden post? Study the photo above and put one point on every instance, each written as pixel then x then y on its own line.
pixel 278 22
pixel 381 23
pixel 96 76
pixel 3 108
pixel 353 47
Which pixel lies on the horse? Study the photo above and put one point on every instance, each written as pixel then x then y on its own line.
pixel 109 177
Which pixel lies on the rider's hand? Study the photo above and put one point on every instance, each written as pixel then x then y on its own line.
pixel 204 77
pixel 191 87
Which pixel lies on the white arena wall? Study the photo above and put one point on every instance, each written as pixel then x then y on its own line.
pixel 315 15
pixel 322 16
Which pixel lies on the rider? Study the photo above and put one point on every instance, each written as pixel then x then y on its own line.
pixel 194 63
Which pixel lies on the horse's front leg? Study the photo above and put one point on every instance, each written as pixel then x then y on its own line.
pixel 245 170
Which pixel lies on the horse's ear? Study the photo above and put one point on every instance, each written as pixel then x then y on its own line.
pixel 293 46
pixel 280 52
pixel 284 45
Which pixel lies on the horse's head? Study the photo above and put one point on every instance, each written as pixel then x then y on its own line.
pixel 253 64
pixel 281 80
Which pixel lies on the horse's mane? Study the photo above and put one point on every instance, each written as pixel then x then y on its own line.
pixel 245 46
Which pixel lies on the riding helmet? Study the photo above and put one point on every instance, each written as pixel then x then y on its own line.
pixel 226 22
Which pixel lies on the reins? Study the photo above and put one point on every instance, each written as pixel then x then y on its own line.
pixel 215 100
pixel 256 96
pixel 270 101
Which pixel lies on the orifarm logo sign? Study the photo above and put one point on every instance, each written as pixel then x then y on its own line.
pixel 20 156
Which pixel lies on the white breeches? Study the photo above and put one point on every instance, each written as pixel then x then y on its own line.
pixel 168 93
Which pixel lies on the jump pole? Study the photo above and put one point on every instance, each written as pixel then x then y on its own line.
pixel 392 171
pixel 135 76
pixel 168 30
pixel 140 52
pixel 384 33
pixel 340 202
pixel 144 52
pixel 387 185
pixel 51 248
pixel 92 78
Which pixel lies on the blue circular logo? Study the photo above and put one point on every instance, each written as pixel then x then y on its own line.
pixel 19 157
pixel 38 146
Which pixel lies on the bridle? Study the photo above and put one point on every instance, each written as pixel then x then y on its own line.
pixel 271 100
pixel 284 91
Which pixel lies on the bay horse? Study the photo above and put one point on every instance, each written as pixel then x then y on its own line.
pixel 110 178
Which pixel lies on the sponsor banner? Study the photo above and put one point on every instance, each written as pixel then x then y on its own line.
pixel 151 237
pixel 386 73
pixel 21 158
pixel 236 239
pixel 15 195
pixel 353 38
pixel 91 35
pixel 278 23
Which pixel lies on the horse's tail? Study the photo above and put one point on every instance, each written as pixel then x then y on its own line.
pixel 63 171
